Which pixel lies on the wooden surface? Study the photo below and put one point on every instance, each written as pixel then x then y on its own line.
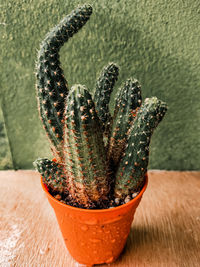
pixel 165 232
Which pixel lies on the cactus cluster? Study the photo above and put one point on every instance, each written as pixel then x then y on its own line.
pixel 100 159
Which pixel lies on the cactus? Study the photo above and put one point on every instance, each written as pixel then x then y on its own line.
pixel 99 158
pixel 85 159
pixel 51 85
pixel 127 102
pixel 104 87
pixel 133 165
pixel 52 173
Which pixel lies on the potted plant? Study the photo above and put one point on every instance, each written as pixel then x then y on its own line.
pixel 99 171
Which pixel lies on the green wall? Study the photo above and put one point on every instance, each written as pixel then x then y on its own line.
pixel 156 42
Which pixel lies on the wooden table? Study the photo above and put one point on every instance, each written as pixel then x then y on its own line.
pixel 165 232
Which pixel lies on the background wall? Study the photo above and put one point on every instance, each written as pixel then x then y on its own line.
pixel 156 42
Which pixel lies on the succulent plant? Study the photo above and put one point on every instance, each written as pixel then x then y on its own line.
pixel 127 102
pixel 51 85
pixel 133 164
pixel 104 87
pixel 101 160
pixel 52 173
pixel 85 155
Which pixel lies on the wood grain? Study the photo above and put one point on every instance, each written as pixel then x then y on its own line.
pixel 165 232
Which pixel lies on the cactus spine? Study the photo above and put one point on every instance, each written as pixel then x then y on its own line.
pixel 127 101
pixel 85 159
pixel 51 85
pixel 133 165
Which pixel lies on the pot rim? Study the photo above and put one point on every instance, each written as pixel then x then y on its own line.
pixel 97 210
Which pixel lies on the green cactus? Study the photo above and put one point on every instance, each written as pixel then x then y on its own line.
pixel 99 159
pixel 53 175
pixel 133 165
pixel 127 102
pixel 104 87
pixel 51 85
pixel 85 158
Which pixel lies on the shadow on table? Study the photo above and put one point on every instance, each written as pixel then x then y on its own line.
pixel 169 242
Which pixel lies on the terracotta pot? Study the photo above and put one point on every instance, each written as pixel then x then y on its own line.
pixel 95 236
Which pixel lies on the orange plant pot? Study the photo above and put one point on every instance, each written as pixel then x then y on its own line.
pixel 95 236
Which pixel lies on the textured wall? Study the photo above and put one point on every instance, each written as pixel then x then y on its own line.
pixel 5 155
pixel 156 42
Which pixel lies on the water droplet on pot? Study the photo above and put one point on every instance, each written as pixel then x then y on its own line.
pixel 71 216
pixel 92 221
pixel 95 240
pixel 109 260
pixel 113 240
pixel 84 228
